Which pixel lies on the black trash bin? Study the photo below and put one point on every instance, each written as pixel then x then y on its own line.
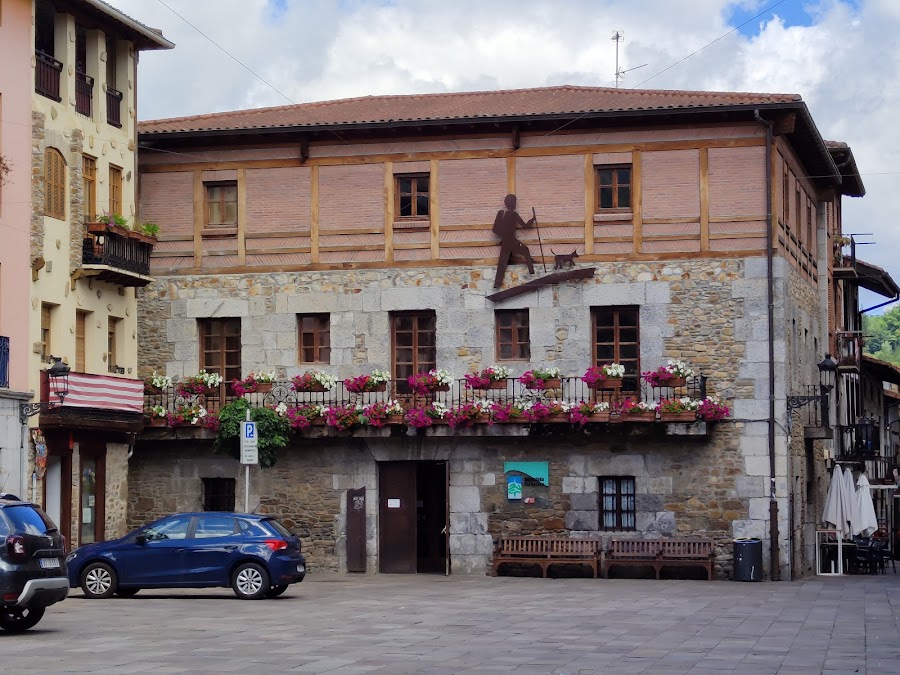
pixel 747 559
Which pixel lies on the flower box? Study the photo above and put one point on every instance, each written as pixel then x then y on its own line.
pixel 601 417
pixel 150 389
pixel 642 416
pixel 395 419
pixel 207 391
pixel 264 387
pixel 495 384
pixel 611 383
pixel 376 387
pixel 312 388
pixel 440 387
pixel 674 382
pixel 156 421
pixel 684 416
pixel 540 385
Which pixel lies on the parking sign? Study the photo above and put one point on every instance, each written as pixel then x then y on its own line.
pixel 249 443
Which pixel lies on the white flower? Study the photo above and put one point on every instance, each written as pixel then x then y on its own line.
pixel 601 406
pixel 439 408
pixel 500 372
pixel 327 381
pixel 393 407
pixel 443 376
pixel 209 379
pixel 380 376
pixel 679 368
pixel 281 409
pixel 263 377
pixel 160 381
pixel 158 411
pixel 614 370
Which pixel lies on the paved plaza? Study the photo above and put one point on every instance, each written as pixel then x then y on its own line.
pixel 429 624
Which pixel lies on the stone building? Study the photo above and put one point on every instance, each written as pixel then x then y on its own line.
pixel 354 235
pixel 87 257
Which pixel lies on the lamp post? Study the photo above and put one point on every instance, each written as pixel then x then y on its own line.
pixel 827 369
pixel 58 375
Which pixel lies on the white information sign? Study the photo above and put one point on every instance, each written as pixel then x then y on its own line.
pixel 249 443
pixel 393 503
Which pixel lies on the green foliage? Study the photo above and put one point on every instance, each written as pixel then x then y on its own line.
pixel 121 221
pixel 882 335
pixel 271 430
pixel 150 229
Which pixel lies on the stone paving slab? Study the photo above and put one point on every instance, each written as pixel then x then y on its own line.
pixel 444 625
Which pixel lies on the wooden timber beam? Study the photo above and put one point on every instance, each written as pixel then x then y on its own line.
pixel 537 284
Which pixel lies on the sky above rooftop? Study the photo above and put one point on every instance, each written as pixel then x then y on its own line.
pixel 841 56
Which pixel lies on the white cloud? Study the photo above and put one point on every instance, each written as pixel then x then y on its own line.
pixel 846 64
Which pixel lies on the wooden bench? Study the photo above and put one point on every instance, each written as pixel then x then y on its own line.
pixel 546 551
pixel 659 553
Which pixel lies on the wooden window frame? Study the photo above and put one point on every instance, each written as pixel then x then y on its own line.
pixel 81 320
pixel 417 366
pixel 205 329
pixel 112 339
pixel 620 510
pixel 413 195
pixel 115 191
pixel 89 181
pixel 54 184
pixel 810 228
pixel 521 351
pixel 46 331
pixel 321 337
pixel 632 374
pixel 615 186
pixel 786 192
pixel 207 202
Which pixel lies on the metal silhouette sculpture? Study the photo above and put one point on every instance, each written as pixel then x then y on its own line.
pixel 507 222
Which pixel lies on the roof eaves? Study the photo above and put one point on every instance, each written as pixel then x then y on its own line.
pixel 152 36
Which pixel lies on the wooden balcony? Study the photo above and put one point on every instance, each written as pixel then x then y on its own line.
pixel 46 76
pixel 117 255
pixel 84 94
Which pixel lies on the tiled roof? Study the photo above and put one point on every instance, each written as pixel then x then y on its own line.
pixel 563 100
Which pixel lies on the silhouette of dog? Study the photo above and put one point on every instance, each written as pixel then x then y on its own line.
pixel 560 260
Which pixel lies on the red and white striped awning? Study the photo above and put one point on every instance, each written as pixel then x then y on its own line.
pixel 101 391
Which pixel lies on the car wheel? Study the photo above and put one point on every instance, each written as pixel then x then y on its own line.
pixel 99 581
pixel 17 619
pixel 275 591
pixel 127 592
pixel 250 581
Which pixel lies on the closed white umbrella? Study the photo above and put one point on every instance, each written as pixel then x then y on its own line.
pixel 867 516
pixel 834 502
pixel 851 504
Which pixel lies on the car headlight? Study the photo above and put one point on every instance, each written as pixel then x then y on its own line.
pixel 71 556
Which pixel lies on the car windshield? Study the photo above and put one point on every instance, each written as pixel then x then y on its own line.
pixel 171 528
pixel 29 520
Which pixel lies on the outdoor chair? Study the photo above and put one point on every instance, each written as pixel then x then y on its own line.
pixel 883 554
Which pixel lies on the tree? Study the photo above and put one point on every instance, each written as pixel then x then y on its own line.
pixel 882 335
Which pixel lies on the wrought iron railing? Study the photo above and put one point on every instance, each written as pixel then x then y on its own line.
pixel 860 441
pixel 117 251
pixel 4 361
pixel 114 107
pixel 84 94
pixel 570 390
pixel 46 76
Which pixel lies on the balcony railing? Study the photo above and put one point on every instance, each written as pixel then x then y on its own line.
pixel 84 94
pixel 4 361
pixel 571 390
pixel 858 441
pixel 849 352
pixel 46 76
pixel 125 259
pixel 114 107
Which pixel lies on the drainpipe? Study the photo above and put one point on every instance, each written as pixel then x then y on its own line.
pixel 774 565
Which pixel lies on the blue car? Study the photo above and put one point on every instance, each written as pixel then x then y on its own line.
pixel 253 554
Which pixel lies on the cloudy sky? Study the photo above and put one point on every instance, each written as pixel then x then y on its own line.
pixel 841 56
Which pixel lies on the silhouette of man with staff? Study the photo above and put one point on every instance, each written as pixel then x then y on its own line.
pixel 506 223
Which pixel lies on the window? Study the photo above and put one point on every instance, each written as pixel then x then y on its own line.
pixel 54 184
pixel 89 181
pixel 221 204
pixel 613 187
pixel 617 508
pixel 111 354
pixel 412 196
pixel 115 190
pixel 786 196
pixel 414 345
pixel 80 325
pixel 617 340
pixel 209 527
pixel 220 347
pixel 513 341
pixel 46 347
pixel 174 527
pixel 315 338
pixel 218 494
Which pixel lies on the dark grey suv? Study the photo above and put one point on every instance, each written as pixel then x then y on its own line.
pixel 33 572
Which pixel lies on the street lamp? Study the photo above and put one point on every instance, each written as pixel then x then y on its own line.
pixel 827 369
pixel 58 376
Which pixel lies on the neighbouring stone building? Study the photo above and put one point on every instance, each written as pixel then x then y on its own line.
pixel 364 234
pixel 82 272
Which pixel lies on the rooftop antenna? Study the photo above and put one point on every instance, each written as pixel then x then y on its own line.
pixel 617 37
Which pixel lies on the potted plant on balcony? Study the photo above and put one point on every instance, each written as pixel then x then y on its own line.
pixel 492 377
pixel 501 412
pixel 314 381
pixel 541 378
pixel 421 417
pixel 305 415
pixel 187 413
pixel 433 380
pixel 545 411
pixel 158 417
pixel 382 412
pixel 468 413
pixel 711 409
pixel 630 410
pixel 377 381
pixel 607 376
pixel 677 409
pixel 589 411
pixel 343 417
pixel 673 374
pixel 202 383
pixel 254 382
pixel 156 383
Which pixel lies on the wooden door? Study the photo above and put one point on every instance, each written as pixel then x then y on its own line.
pixel 92 507
pixel 397 517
